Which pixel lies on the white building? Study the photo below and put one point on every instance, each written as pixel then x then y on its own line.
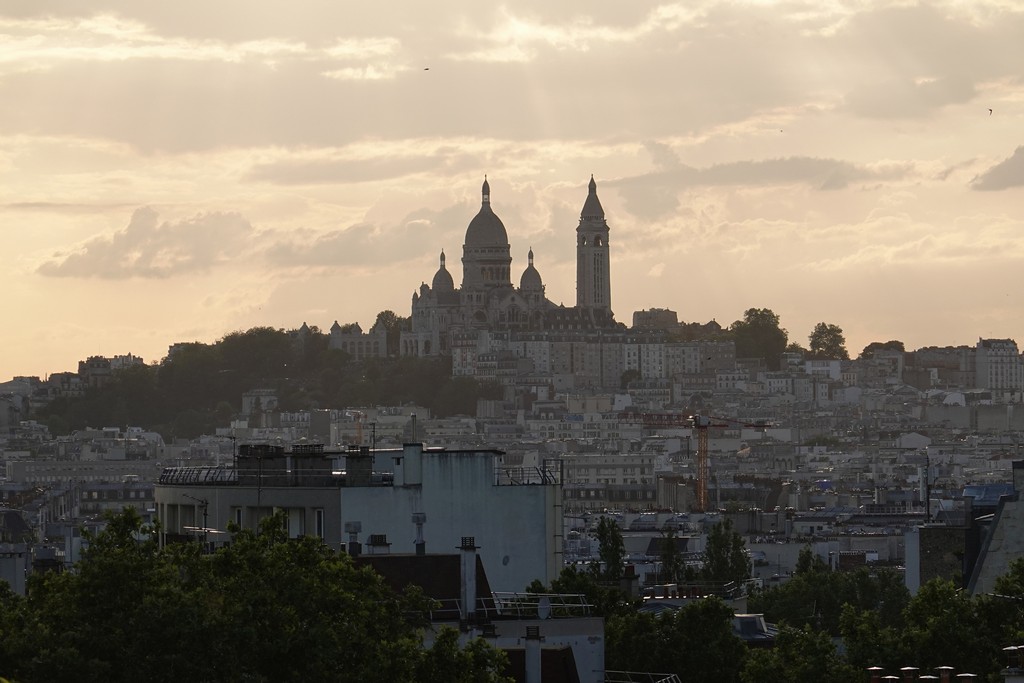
pixel 393 496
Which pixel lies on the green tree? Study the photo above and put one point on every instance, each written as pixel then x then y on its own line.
pixel 264 608
pixel 611 549
pixel 446 662
pixel 695 642
pixel 815 595
pixel 628 377
pixel 725 556
pixel 604 599
pixel 827 341
pixel 759 335
pixel 393 324
pixel 892 345
pixel 673 566
pixel 800 656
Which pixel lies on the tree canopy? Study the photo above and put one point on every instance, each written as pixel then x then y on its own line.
pixel 264 608
pixel 827 341
pixel 725 556
pixel 199 387
pixel 759 335
pixel 892 345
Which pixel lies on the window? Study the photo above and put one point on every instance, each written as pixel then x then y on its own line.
pixel 319 523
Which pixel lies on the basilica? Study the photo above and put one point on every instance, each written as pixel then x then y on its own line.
pixel 488 302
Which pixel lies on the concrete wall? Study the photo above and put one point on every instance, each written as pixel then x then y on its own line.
pixel 518 528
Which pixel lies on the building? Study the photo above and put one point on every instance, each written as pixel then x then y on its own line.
pixel 998 365
pixel 386 497
pixel 446 318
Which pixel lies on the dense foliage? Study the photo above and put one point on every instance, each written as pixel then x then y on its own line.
pixel 200 386
pixel 759 335
pixel 695 642
pixel 828 341
pixel 815 595
pixel 265 608
pixel 725 556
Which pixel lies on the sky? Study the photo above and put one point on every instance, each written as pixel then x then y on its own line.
pixel 178 171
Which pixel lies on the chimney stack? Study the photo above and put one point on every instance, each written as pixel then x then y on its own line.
pixel 532 654
pixel 467 553
pixel 419 519
pixel 353 529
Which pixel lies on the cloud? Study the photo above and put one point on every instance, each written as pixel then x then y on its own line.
pixel 316 171
pixel 658 194
pixel 371 244
pixel 147 248
pixel 1006 174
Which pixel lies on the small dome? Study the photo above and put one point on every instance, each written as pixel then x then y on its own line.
pixel 443 281
pixel 486 229
pixel 531 278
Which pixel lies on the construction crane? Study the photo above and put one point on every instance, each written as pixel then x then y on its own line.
pixel 701 424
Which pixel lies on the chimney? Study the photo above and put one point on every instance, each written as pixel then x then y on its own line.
pixel 876 674
pixel 945 674
pixel 532 654
pixel 353 529
pixel 419 519
pixel 468 549
pixel 909 673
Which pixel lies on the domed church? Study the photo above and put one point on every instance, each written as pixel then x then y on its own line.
pixel 487 301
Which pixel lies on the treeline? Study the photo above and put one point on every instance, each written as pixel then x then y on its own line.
pixel 264 608
pixel 833 626
pixel 200 386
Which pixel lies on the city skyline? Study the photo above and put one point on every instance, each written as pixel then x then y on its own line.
pixel 176 173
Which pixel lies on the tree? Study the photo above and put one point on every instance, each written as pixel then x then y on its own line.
pixel 393 324
pixel 759 335
pixel 267 607
pixel 892 345
pixel 800 656
pixel 446 662
pixel 815 595
pixel 695 642
pixel 673 565
pixel 603 599
pixel 827 341
pixel 725 556
pixel 611 549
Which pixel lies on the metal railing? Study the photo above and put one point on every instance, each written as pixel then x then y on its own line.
pixel 198 475
pixel 541 605
pixel 639 677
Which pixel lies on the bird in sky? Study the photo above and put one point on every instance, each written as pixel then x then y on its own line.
pixel 990 112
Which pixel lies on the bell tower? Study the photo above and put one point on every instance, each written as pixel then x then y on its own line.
pixel 593 280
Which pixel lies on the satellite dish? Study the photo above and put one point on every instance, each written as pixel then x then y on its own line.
pixel 544 608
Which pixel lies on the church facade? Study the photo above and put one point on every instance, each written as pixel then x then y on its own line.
pixel 445 317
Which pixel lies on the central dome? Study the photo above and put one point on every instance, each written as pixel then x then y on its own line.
pixel 486 229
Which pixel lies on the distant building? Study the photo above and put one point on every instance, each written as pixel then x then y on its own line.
pixel 999 365
pixel 655 319
pixel 357 344
pixel 488 301
pixel 355 497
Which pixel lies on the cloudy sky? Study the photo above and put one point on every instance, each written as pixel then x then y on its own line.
pixel 177 171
